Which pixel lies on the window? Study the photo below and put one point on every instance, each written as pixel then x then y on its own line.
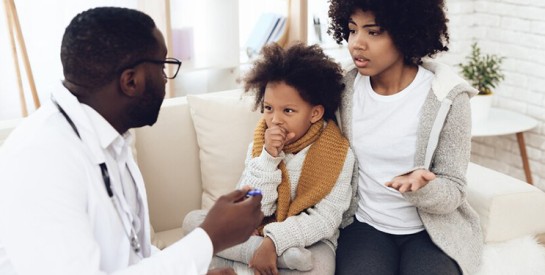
pixel 208 35
pixel 42 24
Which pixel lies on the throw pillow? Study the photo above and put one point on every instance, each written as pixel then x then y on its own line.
pixel 224 124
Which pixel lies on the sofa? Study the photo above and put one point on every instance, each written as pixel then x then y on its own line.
pixel 195 153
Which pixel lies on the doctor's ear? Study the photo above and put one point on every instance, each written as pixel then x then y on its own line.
pixel 131 82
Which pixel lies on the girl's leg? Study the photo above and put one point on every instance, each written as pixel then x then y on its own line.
pixel 192 220
pixel 242 252
pixel 218 262
pixel 322 262
pixel 297 258
pixel 364 250
pixel 419 255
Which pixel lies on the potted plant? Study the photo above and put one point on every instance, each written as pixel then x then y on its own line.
pixel 483 71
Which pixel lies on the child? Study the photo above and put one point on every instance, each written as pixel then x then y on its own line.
pixel 298 159
pixel 409 125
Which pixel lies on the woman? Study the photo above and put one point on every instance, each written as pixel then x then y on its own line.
pixel 409 125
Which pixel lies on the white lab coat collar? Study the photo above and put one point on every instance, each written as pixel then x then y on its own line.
pixel 108 135
pixel 72 107
pixel 109 138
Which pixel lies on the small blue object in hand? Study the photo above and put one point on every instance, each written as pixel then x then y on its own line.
pixel 253 192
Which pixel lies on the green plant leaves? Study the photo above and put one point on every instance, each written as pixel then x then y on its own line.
pixel 482 71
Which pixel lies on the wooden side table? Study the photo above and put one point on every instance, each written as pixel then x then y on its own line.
pixel 504 122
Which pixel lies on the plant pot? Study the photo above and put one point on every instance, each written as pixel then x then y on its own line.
pixel 480 107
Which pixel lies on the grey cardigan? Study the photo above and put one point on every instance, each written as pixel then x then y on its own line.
pixel 443 146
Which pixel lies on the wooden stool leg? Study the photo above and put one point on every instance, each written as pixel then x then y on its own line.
pixel 11 27
pixel 24 54
pixel 524 156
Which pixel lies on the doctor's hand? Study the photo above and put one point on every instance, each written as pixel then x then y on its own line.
pixel 412 181
pixel 232 219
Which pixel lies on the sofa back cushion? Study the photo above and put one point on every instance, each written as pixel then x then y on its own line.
pixel 168 157
pixel 224 124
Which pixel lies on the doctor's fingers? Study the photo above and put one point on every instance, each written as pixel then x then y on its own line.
pixel 234 196
pixel 252 207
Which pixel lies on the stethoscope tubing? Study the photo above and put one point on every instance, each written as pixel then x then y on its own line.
pixel 131 233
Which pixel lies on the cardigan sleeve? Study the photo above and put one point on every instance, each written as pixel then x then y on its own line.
pixel 448 191
pixel 263 173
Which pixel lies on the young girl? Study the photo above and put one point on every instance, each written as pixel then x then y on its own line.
pixel 298 159
pixel 409 125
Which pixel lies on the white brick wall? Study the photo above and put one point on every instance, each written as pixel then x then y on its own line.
pixel 514 29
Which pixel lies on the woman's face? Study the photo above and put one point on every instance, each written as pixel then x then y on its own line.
pixel 371 47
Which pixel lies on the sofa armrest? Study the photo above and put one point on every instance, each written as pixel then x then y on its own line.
pixel 508 207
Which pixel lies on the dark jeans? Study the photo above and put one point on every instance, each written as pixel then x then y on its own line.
pixel 364 250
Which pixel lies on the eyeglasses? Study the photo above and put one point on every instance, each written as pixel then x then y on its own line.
pixel 171 66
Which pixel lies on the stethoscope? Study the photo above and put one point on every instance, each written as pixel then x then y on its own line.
pixel 131 234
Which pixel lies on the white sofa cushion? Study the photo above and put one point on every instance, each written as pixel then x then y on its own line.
pixel 508 207
pixel 224 124
pixel 168 157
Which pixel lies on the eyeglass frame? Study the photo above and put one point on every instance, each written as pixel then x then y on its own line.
pixel 168 60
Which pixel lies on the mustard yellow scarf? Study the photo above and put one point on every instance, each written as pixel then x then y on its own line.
pixel 321 167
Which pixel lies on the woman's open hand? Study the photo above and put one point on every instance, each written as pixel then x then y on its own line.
pixel 412 181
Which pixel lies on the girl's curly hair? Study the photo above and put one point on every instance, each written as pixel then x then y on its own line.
pixel 316 77
pixel 418 27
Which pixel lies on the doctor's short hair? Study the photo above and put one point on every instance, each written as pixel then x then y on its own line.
pixel 317 78
pixel 418 28
pixel 100 42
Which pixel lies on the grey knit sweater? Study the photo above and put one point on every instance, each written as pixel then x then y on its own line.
pixel 443 146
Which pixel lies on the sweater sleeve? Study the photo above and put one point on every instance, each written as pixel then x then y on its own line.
pixel 319 222
pixel 446 193
pixel 263 173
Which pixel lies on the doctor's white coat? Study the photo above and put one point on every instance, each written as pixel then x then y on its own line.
pixel 55 214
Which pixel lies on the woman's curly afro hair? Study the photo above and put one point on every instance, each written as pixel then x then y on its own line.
pixel 418 27
pixel 316 77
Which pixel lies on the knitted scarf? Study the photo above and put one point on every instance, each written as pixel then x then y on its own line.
pixel 321 167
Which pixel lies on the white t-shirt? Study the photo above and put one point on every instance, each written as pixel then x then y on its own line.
pixel 384 135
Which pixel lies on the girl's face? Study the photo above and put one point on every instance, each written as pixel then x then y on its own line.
pixel 371 47
pixel 284 107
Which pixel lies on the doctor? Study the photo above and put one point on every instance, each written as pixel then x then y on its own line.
pixel 72 199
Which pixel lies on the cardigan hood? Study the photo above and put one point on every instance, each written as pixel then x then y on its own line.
pixel 447 83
